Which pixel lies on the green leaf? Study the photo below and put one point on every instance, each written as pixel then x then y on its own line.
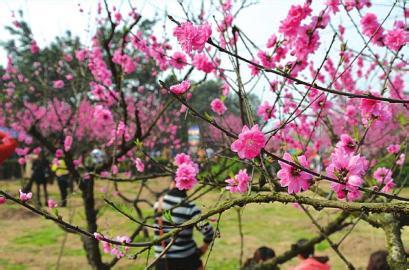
pixel 295 159
pixel 167 215
pixel 208 116
pixel 356 133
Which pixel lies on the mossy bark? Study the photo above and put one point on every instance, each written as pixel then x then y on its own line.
pixel 397 257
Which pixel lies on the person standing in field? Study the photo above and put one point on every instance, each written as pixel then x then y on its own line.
pixel 60 169
pixel 40 175
pixel 172 209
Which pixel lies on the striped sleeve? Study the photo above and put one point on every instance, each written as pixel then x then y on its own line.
pixel 204 226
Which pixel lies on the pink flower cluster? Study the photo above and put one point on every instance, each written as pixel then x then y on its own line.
pixel 266 111
pixel 25 196
pixel 140 166
pixel 58 84
pixel 371 28
pixel 292 177
pixel 51 204
pixel 373 110
pixel 178 60
pixel 349 169
pixel 393 148
pixel 186 172
pixel 116 250
pixel 384 178
pixel 125 61
pixel 202 63
pixel 289 26
pixel 347 144
pixel 218 106
pixel 239 183
pixel 180 88
pixel 249 143
pixel 192 37
pixel 34 47
pixel 67 143
pixel 396 38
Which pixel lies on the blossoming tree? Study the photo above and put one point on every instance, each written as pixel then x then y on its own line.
pixel 333 135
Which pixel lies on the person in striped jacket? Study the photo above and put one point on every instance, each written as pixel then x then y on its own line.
pixel 171 210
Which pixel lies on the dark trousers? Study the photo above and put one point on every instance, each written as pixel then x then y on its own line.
pixel 63 184
pixel 44 184
pixel 192 262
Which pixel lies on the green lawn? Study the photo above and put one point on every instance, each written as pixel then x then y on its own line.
pixel 31 242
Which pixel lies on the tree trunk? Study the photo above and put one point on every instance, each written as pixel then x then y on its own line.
pixel 91 245
pixel 397 258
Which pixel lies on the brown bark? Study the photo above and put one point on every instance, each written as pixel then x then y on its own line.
pixel 91 245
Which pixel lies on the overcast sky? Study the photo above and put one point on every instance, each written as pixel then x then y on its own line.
pixel 51 18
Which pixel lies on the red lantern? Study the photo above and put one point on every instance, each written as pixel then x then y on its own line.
pixel 7 146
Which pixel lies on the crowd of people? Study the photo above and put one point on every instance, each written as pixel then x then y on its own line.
pixel 43 171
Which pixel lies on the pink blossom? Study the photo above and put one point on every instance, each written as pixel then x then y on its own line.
pixel 289 26
pixel 322 103
pixel 21 161
pixel 51 203
pixel 58 84
pixel 178 60
pixel 272 41
pixel 371 28
pixel 186 176
pixel 266 111
pixel 114 169
pixel 180 88
pixel 118 17
pixel 393 148
pixel 374 110
pixel 384 178
pixel 396 38
pixel 218 106
pixel 225 89
pixel 81 55
pixel 254 69
pixel 249 143
pixel 2 200
pixel 182 158
pixel 98 236
pixel 333 5
pixel 67 57
pixel 347 144
pixel 349 169
pixel 401 159
pixel 295 179
pixel 25 196
pixel 106 247
pixel 202 62
pixel 267 60
pixel 239 183
pixel 67 143
pixel 140 167
pixel 34 47
pixel 192 37
pixel 59 153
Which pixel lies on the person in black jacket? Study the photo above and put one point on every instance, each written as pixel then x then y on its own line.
pixel 41 173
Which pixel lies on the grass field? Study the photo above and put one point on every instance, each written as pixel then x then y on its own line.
pixel 30 242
